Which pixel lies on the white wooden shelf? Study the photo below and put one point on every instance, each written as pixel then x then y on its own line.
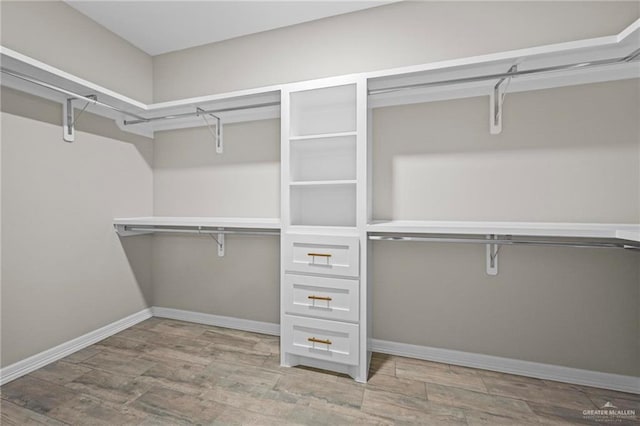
pixel 322 136
pixel 323 182
pixel 240 102
pixel 629 235
pixel 524 229
pixel 208 222
pixel 552 55
pixel 215 227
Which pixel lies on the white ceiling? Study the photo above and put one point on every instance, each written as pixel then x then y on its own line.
pixel 159 27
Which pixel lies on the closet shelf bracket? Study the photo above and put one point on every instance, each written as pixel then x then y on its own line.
pixel 68 133
pixel 69 119
pixel 496 101
pixel 492 256
pixel 219 239
pixel 217 134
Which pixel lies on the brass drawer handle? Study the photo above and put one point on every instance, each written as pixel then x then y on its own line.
pixel 314 340
pixel 327 298
pixel 319 254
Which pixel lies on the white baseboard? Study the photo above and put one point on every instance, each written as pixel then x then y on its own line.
pixel 217 320
pixel 27 365
pixel 512 366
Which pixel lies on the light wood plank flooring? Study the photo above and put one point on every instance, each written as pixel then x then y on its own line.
pixel 170 372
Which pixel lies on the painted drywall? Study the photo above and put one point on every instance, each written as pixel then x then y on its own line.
pixel 399 34
pixel 562 306
pixel 565 154
pixel 59 35
pixel 65 272
pixel 190 179
pixel 245 283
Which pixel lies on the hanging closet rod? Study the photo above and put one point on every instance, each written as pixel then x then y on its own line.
pixel 201 231
pixel 506 241
pixel 66 92
pixel 579 65
pixel 200 112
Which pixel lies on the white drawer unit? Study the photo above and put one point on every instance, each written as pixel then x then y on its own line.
pixel 321 254
pixel 321 339
pixel 323 297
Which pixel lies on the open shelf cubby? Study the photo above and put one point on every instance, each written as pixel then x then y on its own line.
pixel 323 159
pixel 322 111
pixel 323 205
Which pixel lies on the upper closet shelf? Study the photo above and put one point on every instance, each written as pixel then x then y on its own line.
pixel 628 232
pixel 29 75
pixel 563 64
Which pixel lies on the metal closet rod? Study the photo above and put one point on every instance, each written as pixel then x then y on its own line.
pixel 199 112
pixel 200 231
pixel 579 65
pixel 510 242
pixel 66 92
pixel 138 118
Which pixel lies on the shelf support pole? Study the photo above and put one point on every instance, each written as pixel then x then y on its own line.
pixel 496 100
pixel 492 256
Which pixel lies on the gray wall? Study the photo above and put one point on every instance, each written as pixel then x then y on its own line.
pixel 64 270
pixel 192 180
pixel 244 181
pixel 404 33
pixel 565 155
pixel 59 35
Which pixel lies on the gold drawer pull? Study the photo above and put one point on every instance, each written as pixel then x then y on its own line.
pixel 327 298
pixel 319 254
pixel 314 340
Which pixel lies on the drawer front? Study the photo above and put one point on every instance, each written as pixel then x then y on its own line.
pixel 330 298
pixel 315 338
pixel 321 254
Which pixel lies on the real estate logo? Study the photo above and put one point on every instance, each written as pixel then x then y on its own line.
pixel 610 413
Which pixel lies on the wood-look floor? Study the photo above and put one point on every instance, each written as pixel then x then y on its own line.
pixel 170 372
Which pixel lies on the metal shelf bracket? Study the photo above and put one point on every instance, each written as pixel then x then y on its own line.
pixel 68 133
pixel 219 239
pixel 69 119
pixel 492 256
pixel 496 100
pixel 217 134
